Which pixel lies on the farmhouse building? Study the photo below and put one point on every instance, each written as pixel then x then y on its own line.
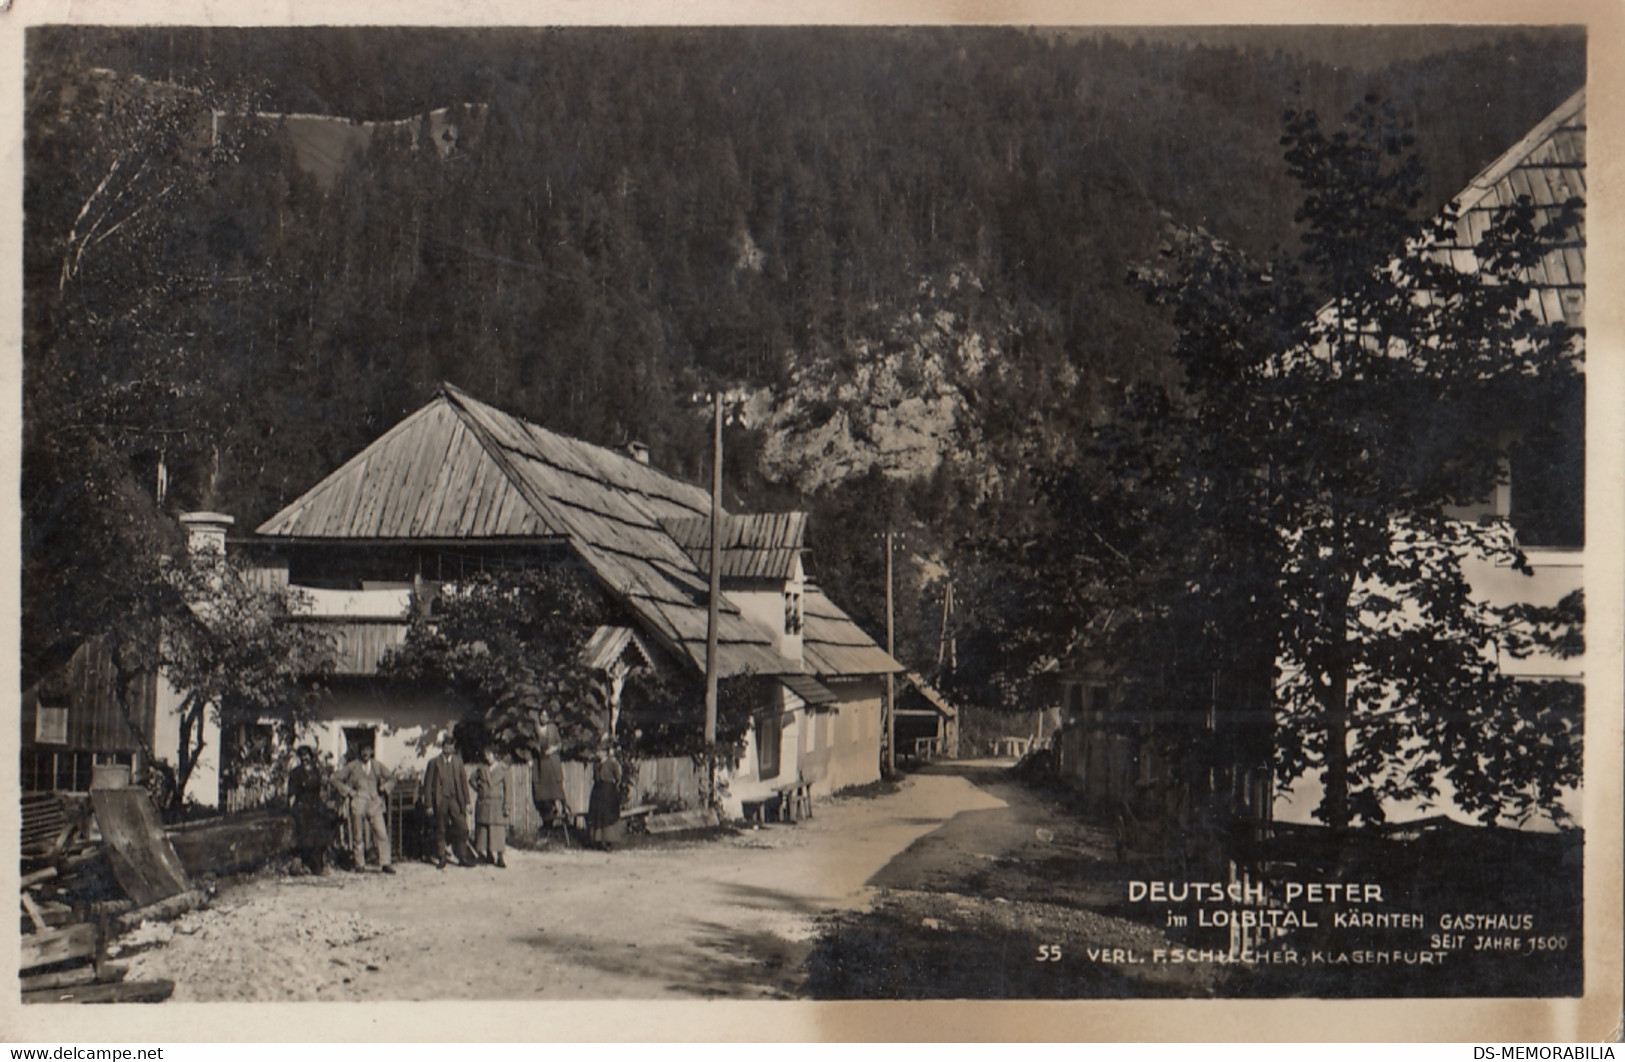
pixel 460 487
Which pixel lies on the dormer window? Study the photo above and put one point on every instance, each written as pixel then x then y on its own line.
pixel 792 612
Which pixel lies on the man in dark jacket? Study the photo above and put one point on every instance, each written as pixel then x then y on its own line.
pixel 445 799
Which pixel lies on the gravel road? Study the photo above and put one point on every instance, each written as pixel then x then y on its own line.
pixel 724 917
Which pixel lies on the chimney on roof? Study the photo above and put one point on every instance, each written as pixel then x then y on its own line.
pixel 206 533
pixel 639 452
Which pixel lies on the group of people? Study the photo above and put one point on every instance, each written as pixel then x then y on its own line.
pixel 450 791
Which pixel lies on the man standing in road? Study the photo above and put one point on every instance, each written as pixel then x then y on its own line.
pixel 445 795
pixel 365 784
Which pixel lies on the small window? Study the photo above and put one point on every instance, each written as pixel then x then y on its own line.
pixel 357 738
pixel 769 735
pixel 51 725
pixel 793 621
pixel 38 770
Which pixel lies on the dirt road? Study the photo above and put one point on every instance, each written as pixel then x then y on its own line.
pixel 1021 899
pixel 732 917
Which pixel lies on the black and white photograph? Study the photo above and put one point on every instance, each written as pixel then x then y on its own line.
pixel 762 513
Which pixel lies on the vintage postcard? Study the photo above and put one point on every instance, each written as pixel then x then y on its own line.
pixel 1085 527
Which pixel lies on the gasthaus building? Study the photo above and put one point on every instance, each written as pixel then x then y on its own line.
pixel 460 486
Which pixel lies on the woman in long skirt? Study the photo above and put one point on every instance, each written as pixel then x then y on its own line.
pixel 604 806
pixel 493 808
pixel 547 774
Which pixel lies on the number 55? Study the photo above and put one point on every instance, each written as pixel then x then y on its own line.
pixel 1049 953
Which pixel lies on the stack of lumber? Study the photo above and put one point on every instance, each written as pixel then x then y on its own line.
pixel 67 918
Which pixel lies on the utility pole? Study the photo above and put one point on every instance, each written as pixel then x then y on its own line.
pixel 891 679
pixel 711 610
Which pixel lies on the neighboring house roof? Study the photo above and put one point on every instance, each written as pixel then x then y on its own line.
pixel 1549 166
pixel 755 546
pixel 931 694
pixel 461 469
pixel 832 644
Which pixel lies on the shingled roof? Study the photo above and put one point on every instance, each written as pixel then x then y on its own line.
pixel 832 644
pixel 1549 166
pixel 460 469
pixel 755 546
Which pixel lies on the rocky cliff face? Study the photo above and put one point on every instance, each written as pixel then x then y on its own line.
pixel 901 401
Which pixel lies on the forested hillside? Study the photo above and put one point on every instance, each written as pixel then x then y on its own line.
pixel 910 246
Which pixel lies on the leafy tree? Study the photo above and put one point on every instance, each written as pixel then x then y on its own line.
pixel 233 649
pixel 123 379
pixel 510 642
pixel 507 643
pixel 1336 407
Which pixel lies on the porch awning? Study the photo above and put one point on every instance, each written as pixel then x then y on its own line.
pixel 809 689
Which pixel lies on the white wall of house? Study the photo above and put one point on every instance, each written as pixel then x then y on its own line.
pixel 1557 572
pixel 745 781
pixel 841 743
pixel 763 603
pixel 832 747
pixel 407 724
pixel 203 787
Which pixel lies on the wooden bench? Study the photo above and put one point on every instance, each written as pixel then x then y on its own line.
pixel 637 817
pixel 791 802
pixel 795 801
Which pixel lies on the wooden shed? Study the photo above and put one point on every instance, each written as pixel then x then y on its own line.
pixel 83 717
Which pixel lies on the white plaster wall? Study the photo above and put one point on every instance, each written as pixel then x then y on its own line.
pixel 1556 574
pixel 204 785
pixel 744 782
pixel 763 605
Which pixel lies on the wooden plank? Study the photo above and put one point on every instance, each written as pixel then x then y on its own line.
pixel 505 511
pixel 35 915
pixel 491 487
pixel 1574 258
pixel 163 910
pixel 117 992
pixel 412 479
pixel 58 945
pixel 468 508
pixel 38 876
pixel 427 520
pixel 330 508
pixel 450 515
pixel 141 856
pixel 83 975
pixel 233 843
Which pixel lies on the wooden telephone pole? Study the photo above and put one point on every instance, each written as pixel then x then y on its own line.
pixel 711 610
pixel 712 605
pixel 891 679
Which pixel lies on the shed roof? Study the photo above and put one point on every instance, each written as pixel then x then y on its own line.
pixel 459 468
pixel 754 546
pixel 809 689
pixel 932 695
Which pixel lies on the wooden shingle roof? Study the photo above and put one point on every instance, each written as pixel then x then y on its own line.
pixel 459 468
pixel 832 644
pixel 1549 167
pixel 755 546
